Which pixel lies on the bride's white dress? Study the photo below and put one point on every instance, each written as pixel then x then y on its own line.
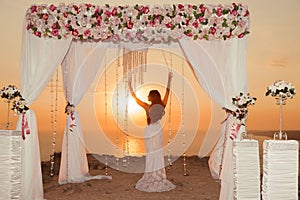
pixel 154 178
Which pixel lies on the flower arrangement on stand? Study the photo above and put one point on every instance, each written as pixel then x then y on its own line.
pixel 281 90
pixel 9 93
pixel 241 102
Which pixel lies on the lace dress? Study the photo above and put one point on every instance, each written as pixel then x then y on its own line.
pixel 154 178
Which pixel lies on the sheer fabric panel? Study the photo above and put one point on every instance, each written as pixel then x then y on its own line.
pixel 40 58
pixel 220 68
pixel 78 70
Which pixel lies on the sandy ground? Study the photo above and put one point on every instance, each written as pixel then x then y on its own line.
pixel 197 185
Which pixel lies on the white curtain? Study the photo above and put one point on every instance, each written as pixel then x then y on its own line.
pixel 40 58
pixel 220 67
pixel 78 69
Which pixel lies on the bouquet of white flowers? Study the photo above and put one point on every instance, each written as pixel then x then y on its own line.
pixel 10 92
pixel 281 89
pixel 242 102
pixel 241 112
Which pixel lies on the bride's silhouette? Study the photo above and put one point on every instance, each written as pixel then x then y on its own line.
pixel 154 178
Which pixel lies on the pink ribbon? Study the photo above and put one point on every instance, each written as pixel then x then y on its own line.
pixel 25 127
pixel 234 131
pixel 73 122
pixel 225 119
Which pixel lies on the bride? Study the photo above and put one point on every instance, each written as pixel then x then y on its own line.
pixel 154 178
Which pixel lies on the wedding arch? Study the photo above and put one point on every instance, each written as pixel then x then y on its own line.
pixel 212 37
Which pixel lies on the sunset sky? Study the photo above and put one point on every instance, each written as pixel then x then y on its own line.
pixel 273 54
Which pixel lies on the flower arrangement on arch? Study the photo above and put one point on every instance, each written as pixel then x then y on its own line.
pixel 242 101
pixel 69 109
pixel 10 92
pixel 19 106
pixel 281 89
pixel 139 22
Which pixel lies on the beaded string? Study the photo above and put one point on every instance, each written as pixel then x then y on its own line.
pixel 183 118
pixel 53 113
pixel 170 65
pixel 117 106
pixel 105 109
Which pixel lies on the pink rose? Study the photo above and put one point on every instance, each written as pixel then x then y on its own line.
pixel 187 22
pixel 99 20
pixel 145 10
pixel 195 24
pixel 152 23
pixel 45 16
pixel 201 19
pixel 38 33
pixel 68 27
pixel 75 32
pixel 114 12
pixel 33 9
pixel 241 35
pixel 107 13
pixel 65 14
pixel 219 11
pixel 54 26
pixel 202 8
pixel 54 32
pixel 76 8
pixel 129 24
pixel 233 12
pixel 87 33
pixel 212 30
pixel 97 11
pixel 169 25
pixel 246 14
pixel 52 7
pixel 88 5
pixel 180 6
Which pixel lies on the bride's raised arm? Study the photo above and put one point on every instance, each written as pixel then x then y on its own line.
pixel 166 97
pixel 137 100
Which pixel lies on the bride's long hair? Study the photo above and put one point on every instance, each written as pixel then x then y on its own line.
pixel 155 97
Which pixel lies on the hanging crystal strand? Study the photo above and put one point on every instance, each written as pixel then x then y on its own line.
pixel 169 135
pixel 125 61
pixel 183 118
pixel 170 114
pixel 105 109
pixel 52 159
pixel 141 68
pixel 126 66
pixel 52 126
pixel 117 112
pixel 125 159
